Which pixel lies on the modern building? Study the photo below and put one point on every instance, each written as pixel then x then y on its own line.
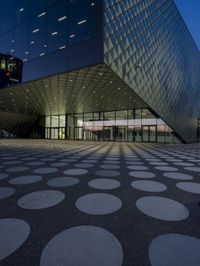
pixel 124 70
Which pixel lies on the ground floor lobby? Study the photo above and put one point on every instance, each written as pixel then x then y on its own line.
pixel 99 203
pixel 128 125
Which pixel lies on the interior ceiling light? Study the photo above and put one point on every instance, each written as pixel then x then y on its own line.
pixel 62 47
pixel 62 18
pixel 81 22
pixel 72 36
pixel 54 33
pixel 21 9
pixel 36 30
pixel 42 14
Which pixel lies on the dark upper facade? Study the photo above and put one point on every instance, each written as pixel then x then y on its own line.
pixel 51 36
pixel 141 45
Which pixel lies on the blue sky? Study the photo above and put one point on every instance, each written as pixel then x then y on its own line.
pixel 190 11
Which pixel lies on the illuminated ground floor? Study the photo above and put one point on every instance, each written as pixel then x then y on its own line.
pixel 137 125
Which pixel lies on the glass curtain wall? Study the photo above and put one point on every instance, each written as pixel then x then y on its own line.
pixel 138 125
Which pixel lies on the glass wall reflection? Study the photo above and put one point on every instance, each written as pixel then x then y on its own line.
pixel 32 29
pixel 123 125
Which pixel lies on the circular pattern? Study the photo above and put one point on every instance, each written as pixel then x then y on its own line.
pixel 184 164
pixel 104 183
pixel 109 166
pixel 46 170
pixel 162 208
pixel 166 168
pixel 137 167
pixel 63 181
pixel 3 176
pixel 178 176
pixel 6 192
pixel 13 233
pixel 158 163
pixel 75 172
pixel 134 163
pixel 83 245
pixel 193 169
pixel 83 165
pixel 174 249
pixel 11 162
pixel 17 169
pixel 58 164
pixel 98 203
pixel 141 174
pixel 111 162
pixel 108 173
pixel 189 187
pixel 41 199
pixel 35 163
pixel 89 161
pixel 23 180
pixel 150 186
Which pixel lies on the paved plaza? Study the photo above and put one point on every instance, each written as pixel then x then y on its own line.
pixel 79 203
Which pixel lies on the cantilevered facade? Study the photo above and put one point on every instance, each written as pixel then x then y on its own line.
pixel 100 70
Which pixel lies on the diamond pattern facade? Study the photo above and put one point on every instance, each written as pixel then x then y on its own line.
pixel 148 45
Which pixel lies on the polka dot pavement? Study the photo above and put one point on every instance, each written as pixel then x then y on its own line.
pixel 86 203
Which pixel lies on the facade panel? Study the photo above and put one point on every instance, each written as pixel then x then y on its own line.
pixel 30 30
pixel 148 45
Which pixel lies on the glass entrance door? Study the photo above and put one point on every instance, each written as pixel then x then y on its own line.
pixel 78 133
pixel 152 133
pixel 149 133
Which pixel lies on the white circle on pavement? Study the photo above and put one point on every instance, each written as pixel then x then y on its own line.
pixel 63 181
pixel 75 172
pixel 174 249
pixel 35 163
pixel 83 245
pixel 162 208
pixel 83 165
pixel 3 176
pixel 193 169
pixel 107 173
pixel 41 199
pixel 137 167
pixel 6 192
pixel 17 169
pixel 109 166
pixel 178 176
pixel 46 170
pixel 166 168
pixel 150 186
pixel 184 164
pixel 12 162
pixel 159 163
pixel 61 164
pixel 23 180
pixel 141 174
pixel 13 233
pixel 104 183
pixel 98 203
pixel 191 187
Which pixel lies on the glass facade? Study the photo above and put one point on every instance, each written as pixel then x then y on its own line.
pixel 30 30
pixel 138 125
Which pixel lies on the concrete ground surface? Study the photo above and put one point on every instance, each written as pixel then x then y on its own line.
pixel 80 203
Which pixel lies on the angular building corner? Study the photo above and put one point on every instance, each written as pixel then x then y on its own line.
pixel 150 48
pixel 122 70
